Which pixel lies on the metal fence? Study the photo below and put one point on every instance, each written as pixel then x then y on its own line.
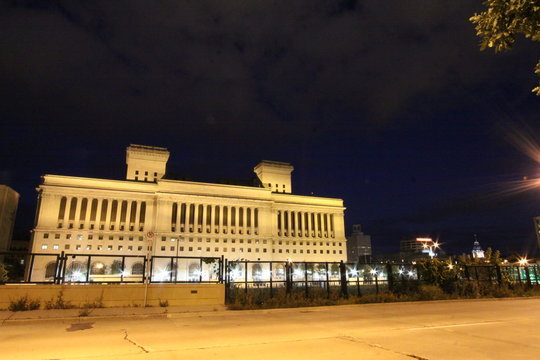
pixel 346 279
pixel 270 276
pixel 67 268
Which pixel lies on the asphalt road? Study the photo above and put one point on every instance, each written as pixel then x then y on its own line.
pixel 477 329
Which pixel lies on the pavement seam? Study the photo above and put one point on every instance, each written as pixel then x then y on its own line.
pixel 126 337
pixel 357 340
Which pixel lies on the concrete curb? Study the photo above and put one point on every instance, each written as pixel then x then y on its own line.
pixel 102 313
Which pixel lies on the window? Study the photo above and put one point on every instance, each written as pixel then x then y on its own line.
pixel 140 238
pixel 55 246
pixel 78 247
pixel 280 251
pixel 79 237
pixel 100 237
pixel 90 237
pixel 100 247
pixel 163 238
pixel 172 248
pixel 216 249
pixel 224 249
pixel 264 250
pixel 181 248
pixel 68 236
pixel 57 236
pixel 190 248
pixel 136 172
pixel 130 238
pixel 233 249
pixel 88 247
pixel 146 173
pixel 111 237
pixel 163 248
pixel 44 247
pixel 120 247
pixel 340 251
pixel 121 238
pixel 46 236
pixel 199 249
pixel 155 174
pixel 66 247
pixel 139 248
pixel 249 249
pixel 208 249
pixel 109 247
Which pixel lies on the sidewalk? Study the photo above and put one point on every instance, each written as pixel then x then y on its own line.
pixel 9 316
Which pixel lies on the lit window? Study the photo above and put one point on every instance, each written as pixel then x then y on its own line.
pixel 78 247
pixel 44 246
pixel 68 236
pixel 88 247
pixel 79 237
pixel 130 248
pixel 109 247
pixel 100 247
pixel 55 246
pixel 120 248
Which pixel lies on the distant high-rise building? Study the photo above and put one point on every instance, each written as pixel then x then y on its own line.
pixel 358 245
pixel 9 201
pixel 537 228
pixel 477 251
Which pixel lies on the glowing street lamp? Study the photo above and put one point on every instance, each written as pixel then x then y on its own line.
pixel 523 261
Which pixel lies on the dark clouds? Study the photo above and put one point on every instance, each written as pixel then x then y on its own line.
pixel 359 95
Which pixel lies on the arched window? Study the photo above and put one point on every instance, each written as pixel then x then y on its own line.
pixel 256 272
pixel 50 270
pixel 137 269
pixel 98 268
pixel 194 272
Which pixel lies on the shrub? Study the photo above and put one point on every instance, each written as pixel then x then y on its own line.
pixel 163 303
pixel 23 304
pixel 58 303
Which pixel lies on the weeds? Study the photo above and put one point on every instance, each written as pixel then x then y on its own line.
pixel 58 303
pixel 24 304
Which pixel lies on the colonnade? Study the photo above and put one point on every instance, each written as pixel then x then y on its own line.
pixel 214 219
pixel 101 213
pixel 305 224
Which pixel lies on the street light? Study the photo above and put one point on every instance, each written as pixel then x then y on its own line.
pixel 523 261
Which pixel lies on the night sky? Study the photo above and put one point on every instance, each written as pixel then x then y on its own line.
pixel 388 105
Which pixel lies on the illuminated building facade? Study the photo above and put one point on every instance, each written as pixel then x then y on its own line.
pixel 9 201
pixel 358 245
pixel 148 214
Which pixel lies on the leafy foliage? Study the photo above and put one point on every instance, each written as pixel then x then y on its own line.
pixel 503 20
pixel 3 274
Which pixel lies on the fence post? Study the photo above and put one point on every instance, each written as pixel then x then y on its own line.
pixel 528 274
pixel 499 275
pixel 327 281
pixel 245 277
pixel 376 282
pixel 288 279
pixel 271 284
pixel 343 273
pixel 305 279
pixel 390 277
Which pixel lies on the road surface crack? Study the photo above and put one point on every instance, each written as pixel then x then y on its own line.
pixel 6 319
pixel 126 337
pixel 354 339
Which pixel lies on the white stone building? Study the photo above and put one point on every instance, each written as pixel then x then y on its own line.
pixel 147 214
